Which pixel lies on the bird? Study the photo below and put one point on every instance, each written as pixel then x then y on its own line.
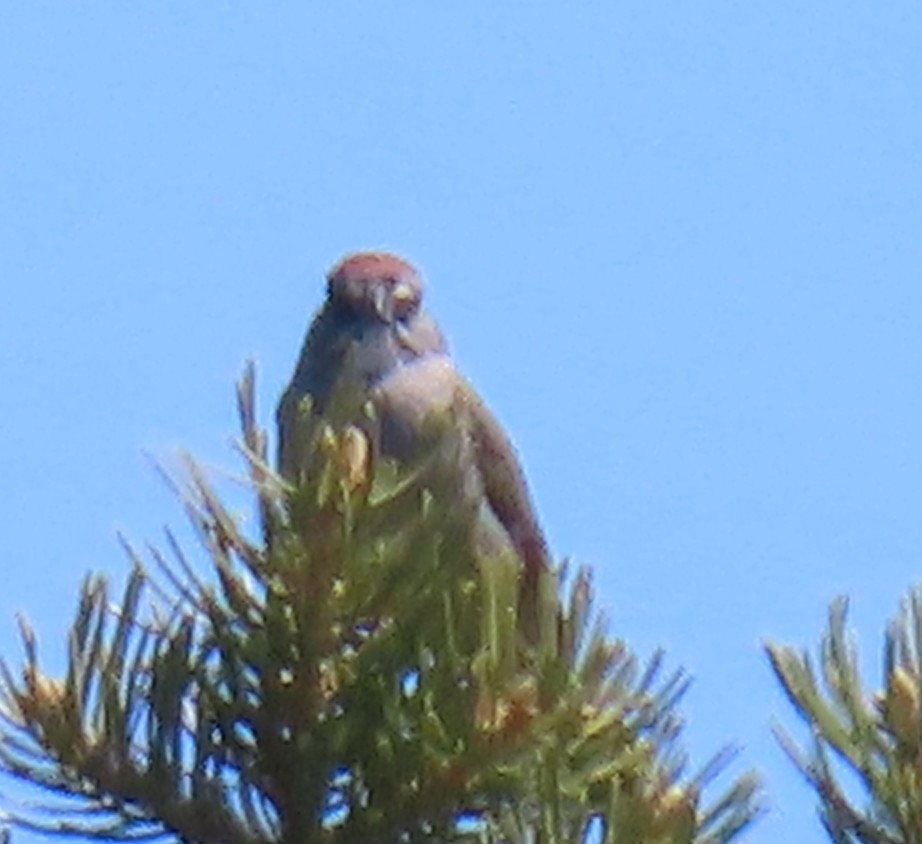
pixel 373 333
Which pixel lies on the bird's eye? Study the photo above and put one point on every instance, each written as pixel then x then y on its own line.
pixel 404 297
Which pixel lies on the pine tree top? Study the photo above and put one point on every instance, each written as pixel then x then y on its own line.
pixel 355 671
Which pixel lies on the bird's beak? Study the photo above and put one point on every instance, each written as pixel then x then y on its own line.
pixel 382 304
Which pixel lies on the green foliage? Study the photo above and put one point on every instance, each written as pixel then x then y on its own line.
pixel 354 674
pixel 871 741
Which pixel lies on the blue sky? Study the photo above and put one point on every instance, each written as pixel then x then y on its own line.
pixel 676 245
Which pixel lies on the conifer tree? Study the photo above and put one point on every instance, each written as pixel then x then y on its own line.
pixel 352 670
pixel 864 756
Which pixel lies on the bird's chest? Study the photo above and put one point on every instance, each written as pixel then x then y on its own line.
pixel 374 355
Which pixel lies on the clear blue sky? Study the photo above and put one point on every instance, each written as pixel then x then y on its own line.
pixel 676 245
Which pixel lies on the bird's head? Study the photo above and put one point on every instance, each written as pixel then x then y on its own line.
pixel 375 286
pixel 372 322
